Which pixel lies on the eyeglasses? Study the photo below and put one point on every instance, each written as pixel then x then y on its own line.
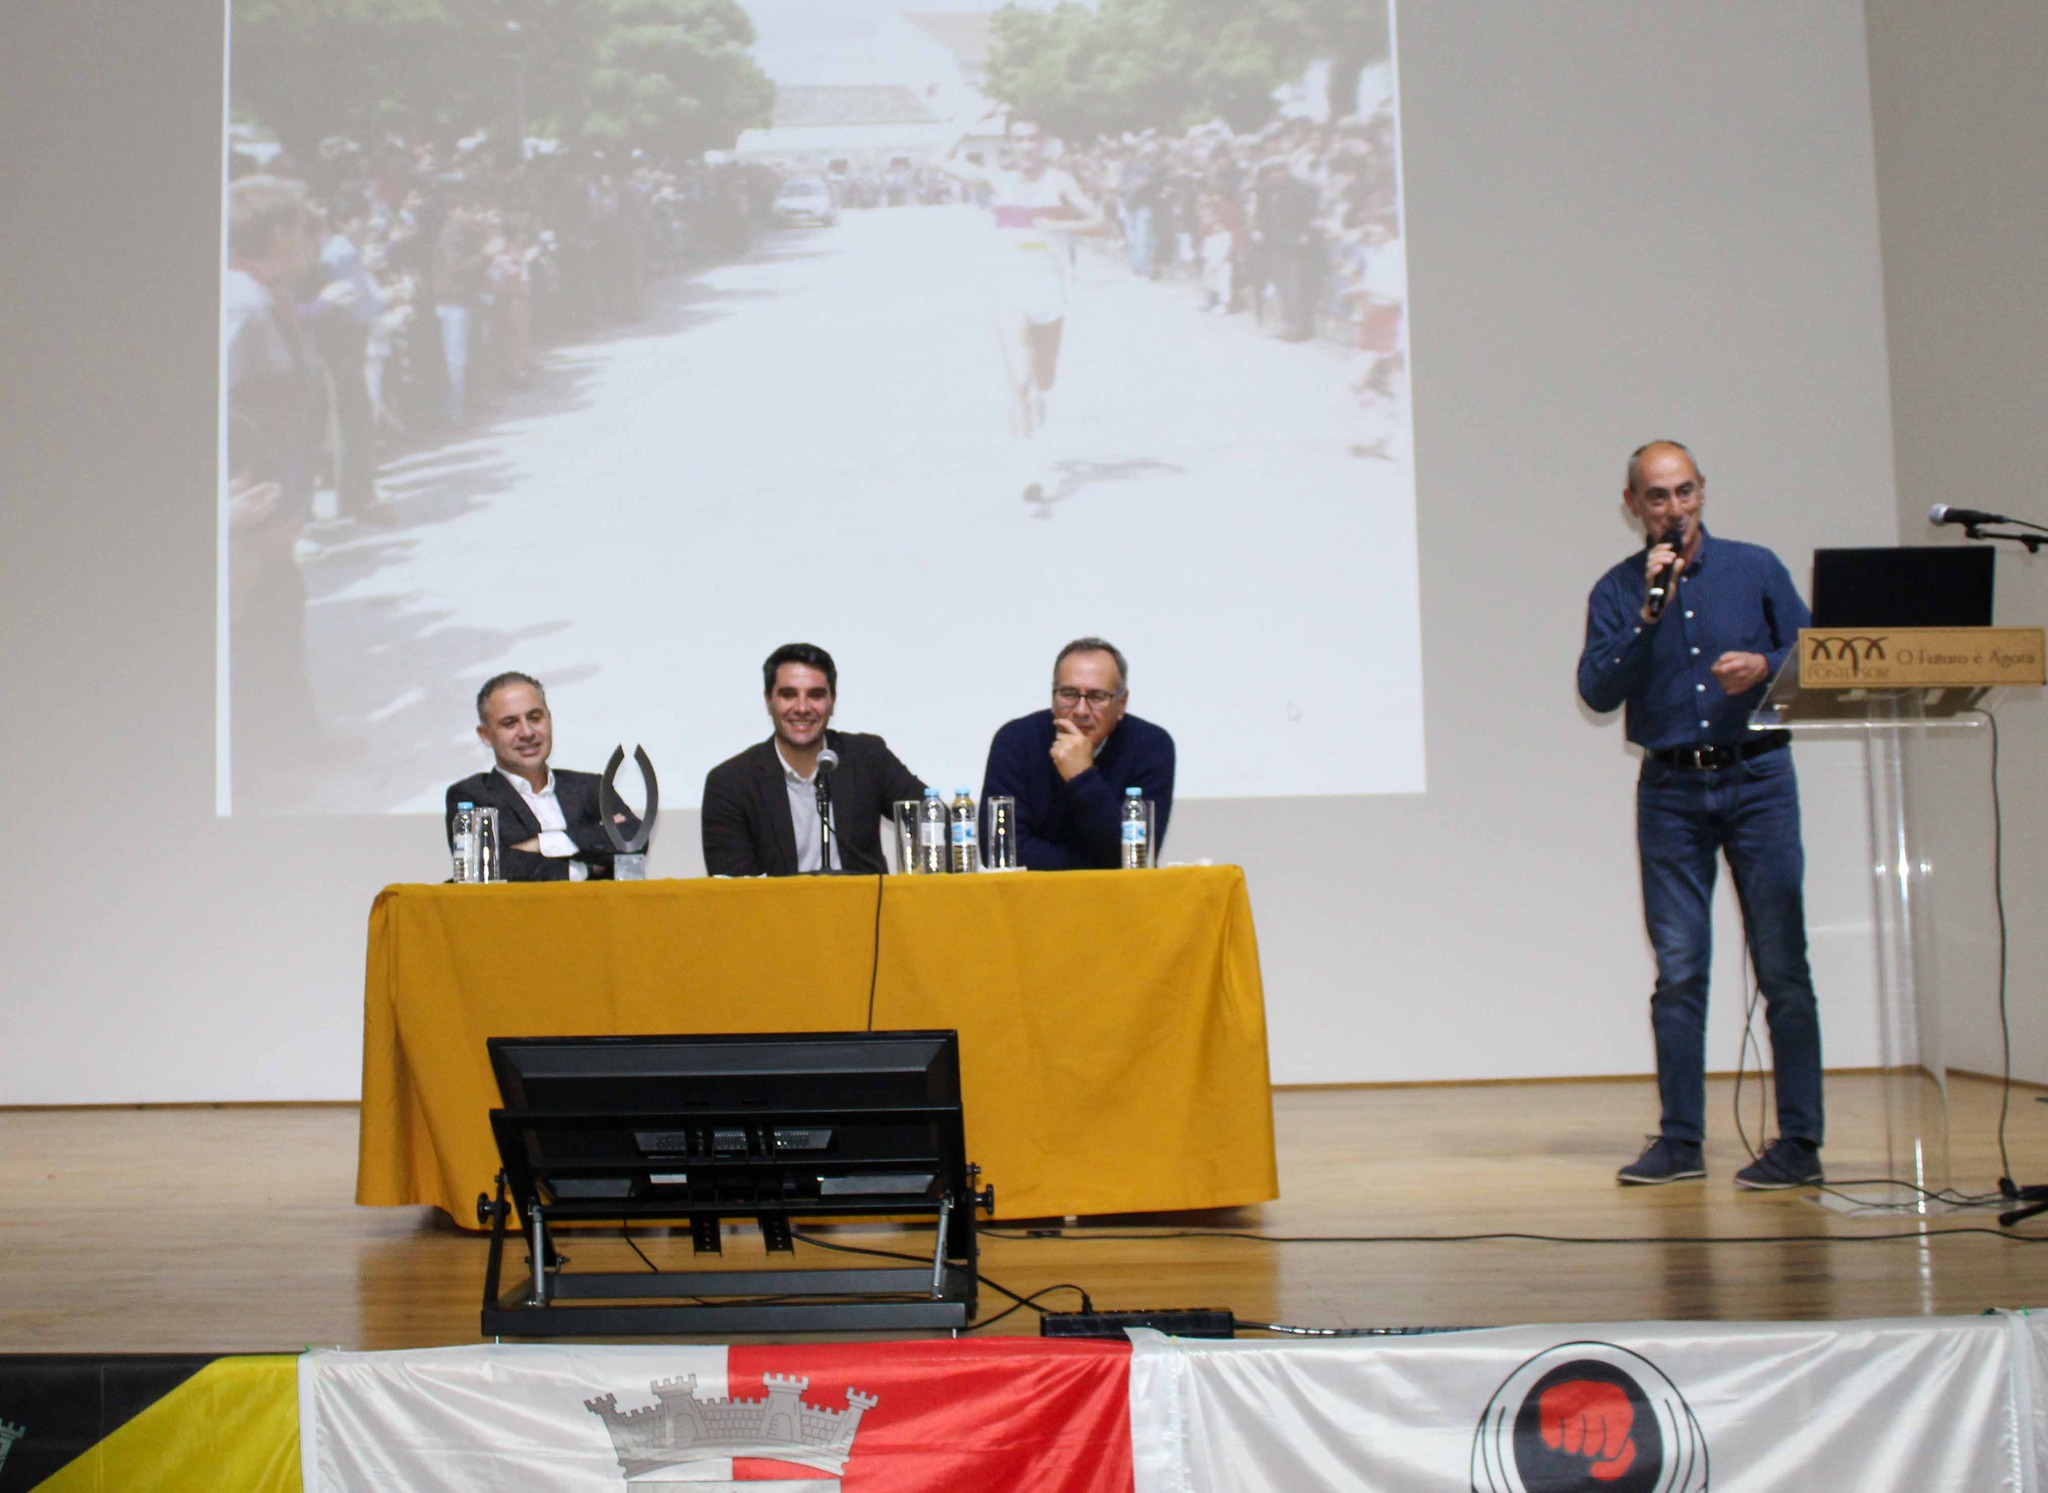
pixel 1067 695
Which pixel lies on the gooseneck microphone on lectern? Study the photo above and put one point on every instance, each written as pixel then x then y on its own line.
pixel 1969 518
pixel 1661 583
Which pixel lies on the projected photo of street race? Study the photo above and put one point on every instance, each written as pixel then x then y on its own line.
pixel 620 341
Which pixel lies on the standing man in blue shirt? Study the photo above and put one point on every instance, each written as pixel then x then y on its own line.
pixel 1068 767
pixel 1690 674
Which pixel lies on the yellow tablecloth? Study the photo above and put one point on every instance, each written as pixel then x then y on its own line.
pixel 1112 1024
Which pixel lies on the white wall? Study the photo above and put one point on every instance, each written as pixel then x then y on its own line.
pixel 1961 125
pixel 1625 221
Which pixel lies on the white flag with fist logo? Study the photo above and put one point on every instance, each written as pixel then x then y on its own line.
pixel 1609 1408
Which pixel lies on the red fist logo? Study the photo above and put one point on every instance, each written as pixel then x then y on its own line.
pixel 1585 1418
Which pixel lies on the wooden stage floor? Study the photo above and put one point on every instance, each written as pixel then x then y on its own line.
pixel 231 1229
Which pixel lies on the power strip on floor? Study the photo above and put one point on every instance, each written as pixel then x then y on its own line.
pixel 1177 1322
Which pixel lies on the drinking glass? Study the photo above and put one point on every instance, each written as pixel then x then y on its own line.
pixel 999 837
pixel 485 839
pixel 905 815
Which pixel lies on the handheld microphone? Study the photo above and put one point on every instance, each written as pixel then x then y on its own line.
pixel 1660 583
pixel 1941 514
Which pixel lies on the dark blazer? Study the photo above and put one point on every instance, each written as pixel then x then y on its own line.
pixel 576 792
pixel 747 828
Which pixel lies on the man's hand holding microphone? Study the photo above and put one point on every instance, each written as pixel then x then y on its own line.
pixel 1662 566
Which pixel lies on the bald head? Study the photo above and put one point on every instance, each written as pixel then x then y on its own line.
pixel 1659 449
pixel 1664 492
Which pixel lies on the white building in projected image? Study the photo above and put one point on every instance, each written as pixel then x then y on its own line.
pixel 840 128
pixel 913 90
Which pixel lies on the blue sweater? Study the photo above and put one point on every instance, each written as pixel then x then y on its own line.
pixel 1066 826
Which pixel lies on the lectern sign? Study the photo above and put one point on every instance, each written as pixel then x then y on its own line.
pixel 1921 658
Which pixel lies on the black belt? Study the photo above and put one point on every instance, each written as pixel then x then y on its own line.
pixel 1708 758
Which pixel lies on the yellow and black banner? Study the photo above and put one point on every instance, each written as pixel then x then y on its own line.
pixel 172 1424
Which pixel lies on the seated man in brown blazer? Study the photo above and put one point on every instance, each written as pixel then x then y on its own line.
pixel 761 808
pixel 548 824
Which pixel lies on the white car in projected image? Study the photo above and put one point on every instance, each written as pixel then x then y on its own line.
pixel 804 199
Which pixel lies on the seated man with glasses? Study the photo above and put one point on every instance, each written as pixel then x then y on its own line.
pixel 1068 767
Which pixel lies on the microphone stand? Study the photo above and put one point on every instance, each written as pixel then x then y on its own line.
pixel 2033 542
pixel 2032 1198
pixel 823 784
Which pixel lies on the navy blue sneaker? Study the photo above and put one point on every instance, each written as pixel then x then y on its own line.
pixel 1664 1160
pixel 1785 1163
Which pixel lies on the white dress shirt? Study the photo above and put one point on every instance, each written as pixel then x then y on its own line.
pixel 554 826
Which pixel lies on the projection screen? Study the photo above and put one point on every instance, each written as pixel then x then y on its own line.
pixel 620 343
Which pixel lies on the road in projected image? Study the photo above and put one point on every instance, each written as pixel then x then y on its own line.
pixel 812 441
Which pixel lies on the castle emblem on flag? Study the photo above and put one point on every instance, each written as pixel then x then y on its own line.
pixel 680 1428
pixel 8 1436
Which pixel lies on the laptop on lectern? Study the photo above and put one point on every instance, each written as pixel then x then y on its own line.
pixel 1928 585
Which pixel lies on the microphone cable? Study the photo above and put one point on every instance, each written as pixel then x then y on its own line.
pixel 1998 901
pixel 875 960
pixel 1752 997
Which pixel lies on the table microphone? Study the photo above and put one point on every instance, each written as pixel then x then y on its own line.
pixel 1969 518
pixel 821 780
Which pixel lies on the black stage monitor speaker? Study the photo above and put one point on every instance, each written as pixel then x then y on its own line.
pixel 781 1128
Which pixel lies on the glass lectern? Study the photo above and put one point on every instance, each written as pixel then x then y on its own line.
pixel 1893 689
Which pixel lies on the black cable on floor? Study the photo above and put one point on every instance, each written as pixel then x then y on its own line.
pixel 1024 1301
pixel 857 1249
pixel 1087 1304
pixel 626 1234
pixel 1945 1195
pixel 1516 1237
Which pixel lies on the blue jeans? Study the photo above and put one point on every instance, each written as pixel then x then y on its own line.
pixel 1686 820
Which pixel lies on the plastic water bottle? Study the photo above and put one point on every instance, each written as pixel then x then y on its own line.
pixel 964 848
pixel 464 839
pixel 931 833
pixel 1137 831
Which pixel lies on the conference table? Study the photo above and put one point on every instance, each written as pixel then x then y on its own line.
pixel 1112 1023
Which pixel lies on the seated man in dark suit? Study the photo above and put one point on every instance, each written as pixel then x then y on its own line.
pixel 1068 767
pixel 760 808
pixel 548 825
